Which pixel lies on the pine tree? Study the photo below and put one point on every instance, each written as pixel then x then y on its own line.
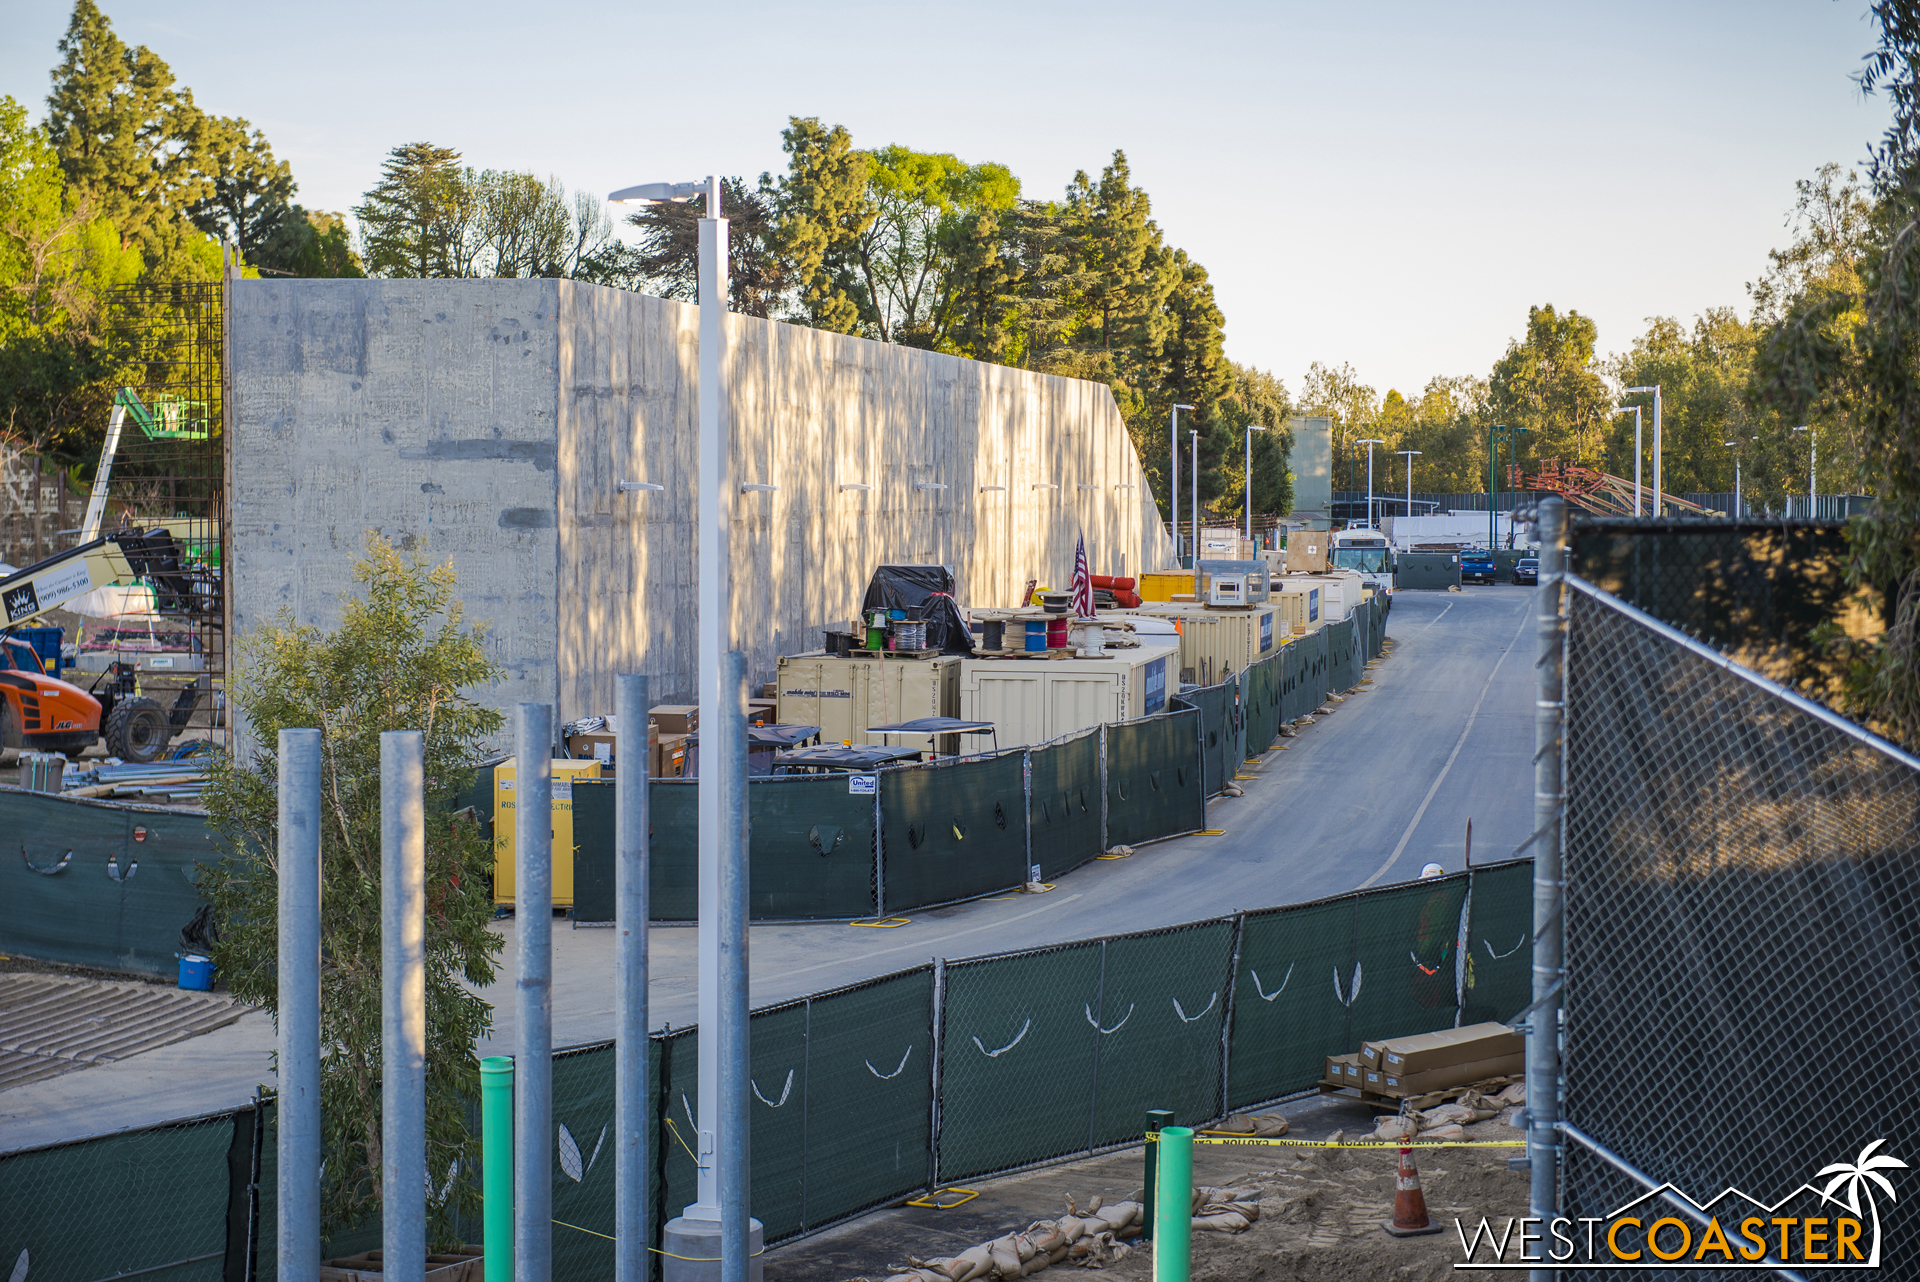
pixel 248 191
pixel 415 223
pixel 129 142
pixel 823 211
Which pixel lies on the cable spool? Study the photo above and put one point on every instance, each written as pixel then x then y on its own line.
pixel 993 634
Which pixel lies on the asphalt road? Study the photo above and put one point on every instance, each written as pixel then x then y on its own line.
pixel 1366 795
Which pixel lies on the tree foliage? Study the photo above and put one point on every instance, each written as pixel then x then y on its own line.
pixel 403 658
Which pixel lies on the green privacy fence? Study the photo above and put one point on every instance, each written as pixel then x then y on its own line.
pixel 866 1094
pixel 98 884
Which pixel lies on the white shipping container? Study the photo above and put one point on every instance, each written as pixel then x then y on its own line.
pixel 1340 591
pixel 1033 700
pixel 845 696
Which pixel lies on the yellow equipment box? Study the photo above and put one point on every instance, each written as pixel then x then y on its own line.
pixel 504 808
pixel 1161 585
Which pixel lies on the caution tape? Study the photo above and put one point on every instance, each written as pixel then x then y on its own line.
pixel 1231 1141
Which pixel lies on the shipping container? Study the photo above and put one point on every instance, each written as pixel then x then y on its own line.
pixel 1215 644
pixel 1033 700
pixel 845 696
pixel 505 797
pixel 1340 591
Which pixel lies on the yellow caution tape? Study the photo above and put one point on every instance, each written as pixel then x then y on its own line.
pixel 882 923
pixel 1218 1137
pixel 933 1199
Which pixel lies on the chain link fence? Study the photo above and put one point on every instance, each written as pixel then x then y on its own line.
pixel 1742 930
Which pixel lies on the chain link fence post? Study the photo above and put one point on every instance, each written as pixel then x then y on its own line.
pixel 1543 1023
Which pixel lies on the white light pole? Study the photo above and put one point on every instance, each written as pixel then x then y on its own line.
pixel 1735 445
pixel 1658 479
pixel 1173 487
pixel 1370 442
pixel 1622 409
pixel 1813 448
pixel 1193 466
pixel 1411 455
pixel 720 1141
pixel 1251 429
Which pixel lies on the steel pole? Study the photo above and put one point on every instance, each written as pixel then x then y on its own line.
pixel 714 572
pixel 1247 484
pixel 1659 477
pixel 1549 734
pixel 1371 523
pixel 632 1153
pixel 403 1007
pixel 533 992
pixel 728 734
pixel 1409 487
pixel 297 1105
pixel 1813 459
pixel 1193 439
pixel 1736 487
pixel 1639 448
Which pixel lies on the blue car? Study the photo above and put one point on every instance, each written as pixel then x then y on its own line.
pixel 1477 566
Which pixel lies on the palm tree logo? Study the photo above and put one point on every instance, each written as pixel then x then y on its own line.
pixel 1859 1177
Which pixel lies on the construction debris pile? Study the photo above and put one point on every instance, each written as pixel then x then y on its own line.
pixel 1097 1237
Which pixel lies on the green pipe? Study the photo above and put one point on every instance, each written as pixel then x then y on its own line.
pixel 1157 1119
pixel 1173 1207
pixel 496 1164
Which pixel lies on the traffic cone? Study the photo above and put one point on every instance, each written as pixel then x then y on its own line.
pixel 1409 1204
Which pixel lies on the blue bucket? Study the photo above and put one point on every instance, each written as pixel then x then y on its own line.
pixel 196 972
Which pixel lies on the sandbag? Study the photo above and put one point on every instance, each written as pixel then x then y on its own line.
pixel 1262 1125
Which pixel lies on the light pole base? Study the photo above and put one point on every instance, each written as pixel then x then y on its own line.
pixel 693 1250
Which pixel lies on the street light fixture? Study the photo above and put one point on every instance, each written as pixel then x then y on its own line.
pixel 1370 442
pixel 718 1216
pixel 1659 479
pixel 1813 454
pixel 1251 429
pixel 1411 455
pixel 1173 488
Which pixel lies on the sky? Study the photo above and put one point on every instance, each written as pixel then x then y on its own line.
pixel 1387 184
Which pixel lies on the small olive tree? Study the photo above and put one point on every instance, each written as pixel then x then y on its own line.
pixel 401 659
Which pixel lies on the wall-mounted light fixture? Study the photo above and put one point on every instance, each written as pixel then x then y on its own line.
pixel 985 488
pixel 1045 485
pixel 928 485
pixel 1084 486
pixel 628 487
pixel 1126 486
pixel 853 485
pixel 758 489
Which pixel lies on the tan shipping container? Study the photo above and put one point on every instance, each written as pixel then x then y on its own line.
pixel 846 696
pixel 1031 701
pixel 1215 644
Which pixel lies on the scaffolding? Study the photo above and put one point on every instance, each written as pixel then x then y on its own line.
pixel 171 473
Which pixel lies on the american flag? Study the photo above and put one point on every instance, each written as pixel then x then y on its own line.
pixel 1082 580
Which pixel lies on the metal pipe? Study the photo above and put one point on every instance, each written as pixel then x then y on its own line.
pixel 403 1006
pixel 1549 735
pixel 1658 444
pixel 729 736
pixel 1638 450
pixel 297 1134
pixel 1158 1119
pixel 496 1165
pixel 715 577
pixel 533 991
pixel 632 1152
pixel 1173 1206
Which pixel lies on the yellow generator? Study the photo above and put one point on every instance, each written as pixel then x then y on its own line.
pixel 505 795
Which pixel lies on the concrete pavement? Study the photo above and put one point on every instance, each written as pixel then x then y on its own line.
pixel 1369 794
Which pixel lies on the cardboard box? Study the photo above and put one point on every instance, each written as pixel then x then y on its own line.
pixel 763 711
pixel 1370 1054
pixel 1410 1055
pixel 771 690
pixel 673 756
pixel 1372 1079
pixel 597 746
pixel 1353 1070
pixel 1440 1079
pixel 1337 1070
pixel 676 718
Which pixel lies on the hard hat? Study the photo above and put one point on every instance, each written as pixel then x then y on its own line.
pixel 1432 870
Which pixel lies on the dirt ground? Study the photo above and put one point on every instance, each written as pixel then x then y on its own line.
pixel 1321 1211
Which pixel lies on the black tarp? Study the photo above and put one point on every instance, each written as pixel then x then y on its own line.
pixel 924 592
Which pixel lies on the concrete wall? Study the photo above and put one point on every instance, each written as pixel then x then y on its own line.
pixel 490 422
